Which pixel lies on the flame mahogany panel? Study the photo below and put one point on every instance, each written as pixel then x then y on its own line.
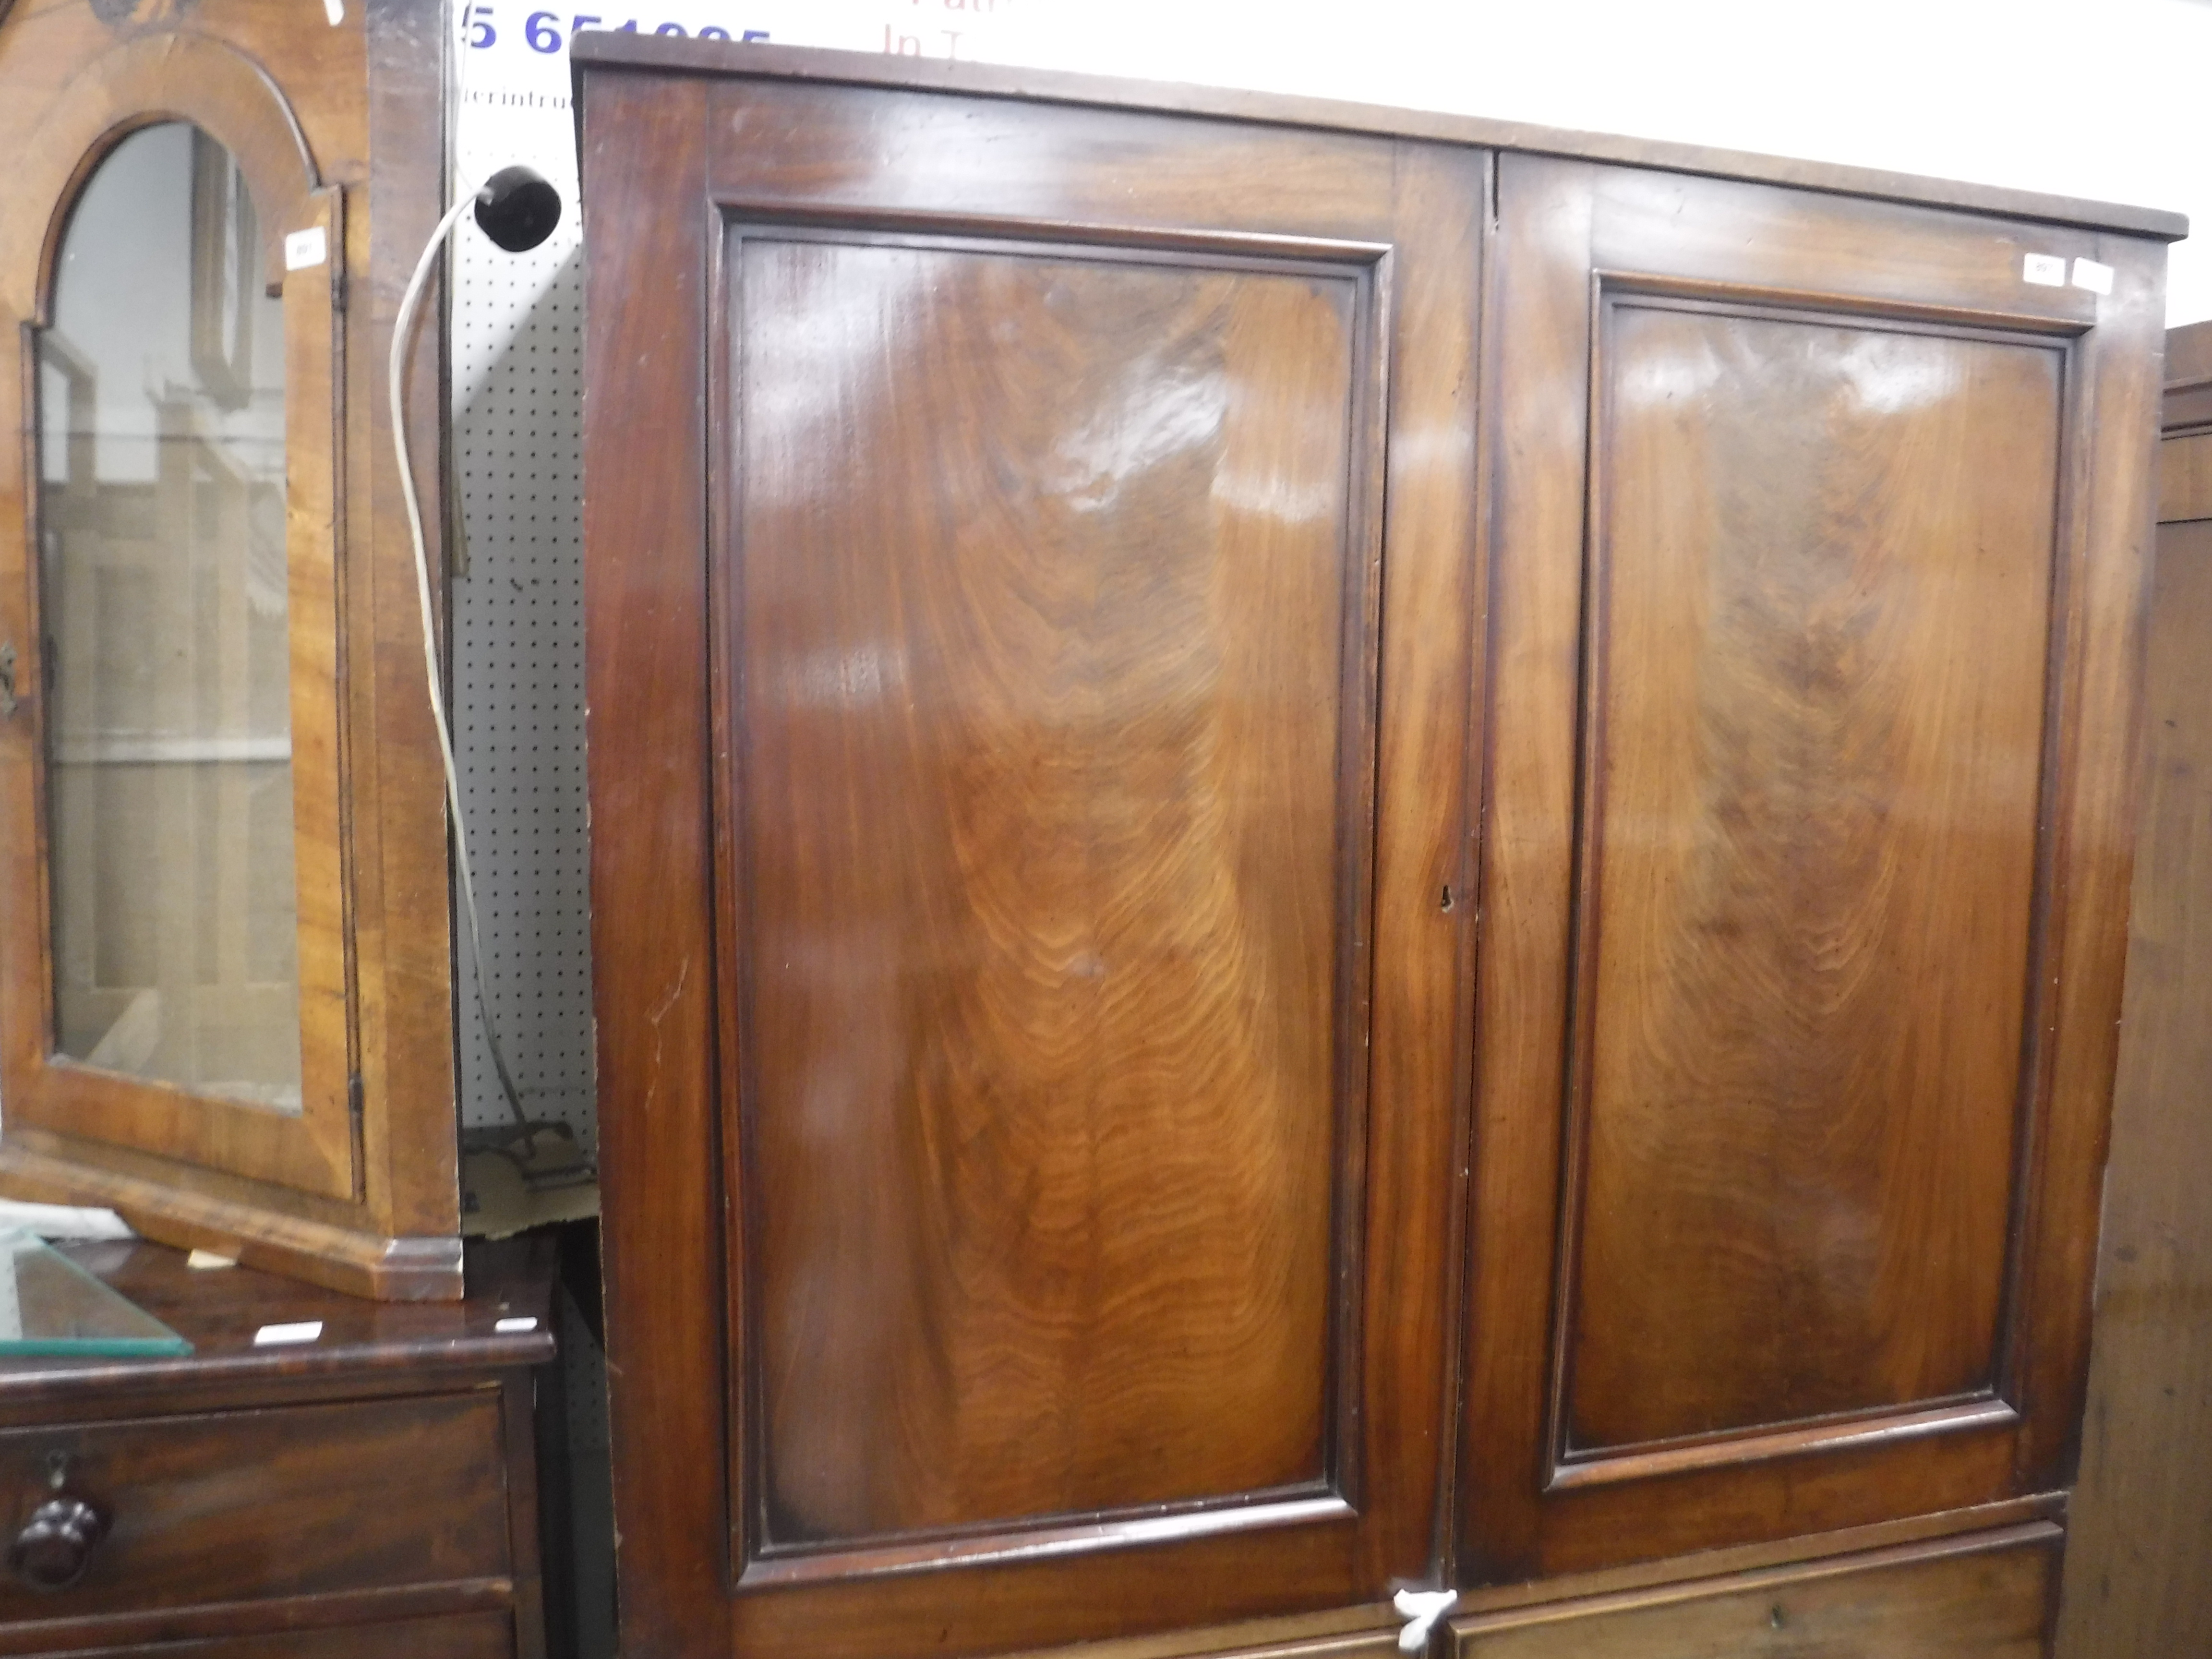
pixel 1052 786
pixel 1819 616
pixel 1805 857
pixel 1033 562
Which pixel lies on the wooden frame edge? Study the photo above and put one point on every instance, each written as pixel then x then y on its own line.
pixel 351 1260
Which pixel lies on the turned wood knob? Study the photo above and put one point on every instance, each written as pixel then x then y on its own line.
pixel 51 1553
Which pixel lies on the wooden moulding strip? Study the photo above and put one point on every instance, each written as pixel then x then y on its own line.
pixel 1707 1567
pixel 353 1261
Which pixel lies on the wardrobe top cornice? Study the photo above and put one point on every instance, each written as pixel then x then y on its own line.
pixel 597 50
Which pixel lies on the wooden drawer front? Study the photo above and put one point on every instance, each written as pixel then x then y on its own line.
pixel 481 1635
pixel 290 1501
pixel 1987 1597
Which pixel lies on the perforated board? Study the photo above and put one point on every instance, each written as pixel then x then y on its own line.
pixel 516 325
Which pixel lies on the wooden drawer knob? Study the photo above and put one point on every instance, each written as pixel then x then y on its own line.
pixel 52 1550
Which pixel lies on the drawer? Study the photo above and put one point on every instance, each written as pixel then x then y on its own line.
pixel 480 1636
pixel 294 1500
pixel 1981 1597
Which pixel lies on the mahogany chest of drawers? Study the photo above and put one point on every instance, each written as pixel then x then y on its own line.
pixel 374 1491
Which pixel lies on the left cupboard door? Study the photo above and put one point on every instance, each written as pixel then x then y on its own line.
pixel 1030 567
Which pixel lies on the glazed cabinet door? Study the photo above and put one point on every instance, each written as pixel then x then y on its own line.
pixel 1030 572
pixel 1821 542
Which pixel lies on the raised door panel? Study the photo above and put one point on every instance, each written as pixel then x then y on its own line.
pixel 1819 617
pixel 1051 809
pixel 1805 858
pixel 1029 858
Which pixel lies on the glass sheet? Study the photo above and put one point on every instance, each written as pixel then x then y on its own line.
pixel 51 1307
pixel 161 514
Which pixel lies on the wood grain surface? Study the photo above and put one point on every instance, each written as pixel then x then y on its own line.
pixel 472 1636
pixel 1021 778
pixel 1985 1597
pixel 991 81
pixel 2141 1522
pixel 234 1506
pixel 1045 933
pixel 1830 1265
pixel 1822 586
pixel 303 1492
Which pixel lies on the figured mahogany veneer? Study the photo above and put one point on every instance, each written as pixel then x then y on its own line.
pixel 1333 850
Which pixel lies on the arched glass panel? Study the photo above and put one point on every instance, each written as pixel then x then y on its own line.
pixel 162 527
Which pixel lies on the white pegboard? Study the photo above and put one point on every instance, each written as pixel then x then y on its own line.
pixel 516 339
pixel 518 657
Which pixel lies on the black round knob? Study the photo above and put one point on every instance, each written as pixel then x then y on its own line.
pixel 517 209
pixel 56 1543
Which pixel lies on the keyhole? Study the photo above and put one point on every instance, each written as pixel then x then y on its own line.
pixel 1448 896
pixel 1774 1618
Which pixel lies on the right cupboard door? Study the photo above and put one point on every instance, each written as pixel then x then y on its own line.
pixel 1820 539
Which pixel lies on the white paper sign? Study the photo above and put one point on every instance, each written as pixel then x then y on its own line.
pixel 2088 274
pixel 2043 270
pixel 304 249
pixel 306 1330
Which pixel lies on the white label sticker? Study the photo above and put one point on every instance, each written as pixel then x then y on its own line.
pixel 305 248
pixel 2043 270
pixel 270 1336
pixel 2088 274
pixel 505 1326
pixel 335 11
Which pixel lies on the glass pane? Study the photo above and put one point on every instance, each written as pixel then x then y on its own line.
pixel 50 1306
pixel 161 519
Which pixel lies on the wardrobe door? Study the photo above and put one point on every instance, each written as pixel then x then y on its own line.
pixel 1031 604
pixel 1821 541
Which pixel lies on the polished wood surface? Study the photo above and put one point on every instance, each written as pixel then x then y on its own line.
pixel 230 1506
pixel 1980 1597
pixel 385 1472
pixel 480 1636
pixel 680 55
pixel 1727 1203
pixel 1069 1260
pixel 2141 1523
pixel 1809 1017
pixel 1818 614
pixel 337 127
pixel 1047 871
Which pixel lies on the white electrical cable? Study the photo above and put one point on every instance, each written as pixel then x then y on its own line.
pixel 402 328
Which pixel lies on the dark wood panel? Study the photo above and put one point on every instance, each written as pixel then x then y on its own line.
pixel 1871 1279
pixel 478 1636
pixel 993 81
pixel 1987 1597
pixel 2142 1519
pixel 239 1506
pixel 1819 612
pixel 363 1344
pixel 1052 742
pixel 1228 223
